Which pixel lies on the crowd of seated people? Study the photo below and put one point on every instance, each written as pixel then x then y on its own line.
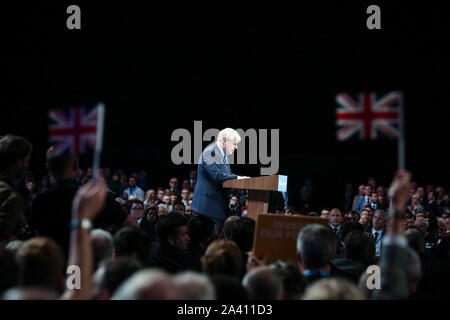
pixel 133 241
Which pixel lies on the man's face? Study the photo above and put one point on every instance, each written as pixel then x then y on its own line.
pixel 234 201
pixel 179 207
pixel 160 194
pixel 368 190
pixel 420 214
pixel 189 210
pixel 193 174
pixel 152 215
pixel 166 199
pixel 182 238
pixel 185 183
pixel 151 194
pixel 132 182
pixel 173 198
pixel 374 198
pixel 335 217
pixel 378 221
pixel 362 189
pixel 325 214
pixel 420 192
pixel 173 183
pixel 185 194
pixel 229 146
pixel 137 210
pixel 430 196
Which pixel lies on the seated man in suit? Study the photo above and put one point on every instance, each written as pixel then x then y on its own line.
pixel 137 211
pixel 335 226
pixel 210 199
pixel 373 202
pixel 377 232
pixel 355 259
pixel 169 252
pixel 364 199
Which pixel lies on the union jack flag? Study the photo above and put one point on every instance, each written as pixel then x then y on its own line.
pixel 73 130
pixel 368 115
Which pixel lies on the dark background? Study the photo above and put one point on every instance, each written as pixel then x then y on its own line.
pixel 160 66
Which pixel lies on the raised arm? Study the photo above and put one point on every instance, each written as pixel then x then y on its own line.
pixel 394 254
pixel 88 202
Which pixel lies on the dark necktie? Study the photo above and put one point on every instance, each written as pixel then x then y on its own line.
pixel 375 236
pixel 335 229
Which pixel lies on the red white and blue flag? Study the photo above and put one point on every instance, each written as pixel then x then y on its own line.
pixel 368 115
pixel 73 130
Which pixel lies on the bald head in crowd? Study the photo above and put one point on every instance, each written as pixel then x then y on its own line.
pixel 228 225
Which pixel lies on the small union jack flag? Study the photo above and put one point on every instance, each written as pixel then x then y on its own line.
pixel 73 130
pixel 368 115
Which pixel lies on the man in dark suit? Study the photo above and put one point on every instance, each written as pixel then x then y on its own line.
pixel 373 202
pixel 355 259
pixel 137 211
pixel 432 205
pixel 210 199
pixel 335 226
pixel 378 231
pixel 316 246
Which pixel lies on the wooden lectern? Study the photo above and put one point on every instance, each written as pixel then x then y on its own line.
pixel 258 191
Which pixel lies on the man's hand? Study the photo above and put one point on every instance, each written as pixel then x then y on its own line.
pixel 243 177
pixel 89 200
pixel 254 262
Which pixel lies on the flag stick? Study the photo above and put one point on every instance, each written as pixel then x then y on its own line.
pixel 401 138
pixel 99 137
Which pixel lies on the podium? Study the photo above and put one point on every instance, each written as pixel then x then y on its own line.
pixel 258 191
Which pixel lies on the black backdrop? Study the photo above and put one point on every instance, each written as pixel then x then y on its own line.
pixel 159 67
